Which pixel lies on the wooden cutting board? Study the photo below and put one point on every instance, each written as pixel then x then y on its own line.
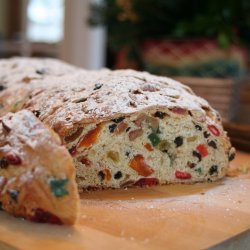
pixel 167 217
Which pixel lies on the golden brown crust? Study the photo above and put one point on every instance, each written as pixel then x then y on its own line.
pixel 32 184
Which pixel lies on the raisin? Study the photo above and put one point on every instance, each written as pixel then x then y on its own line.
pixel 212 144
pixel 86 161
pixel 101 175
pixel 118 120
pixel 118 175
pixel 127 153
pixel 4 163
pixel 2 87
pixel 5 127
pixel 206 134
pixel 127 129
pixel 42 71
pixel 36 113
pixel 39 215
pixel 198 127
pixel 213 170
pixel 59 187
pixel 159 114
pixel 72 151
pixel 112 127
pixel 231 156
pixel 13 194
pixel 191 164
pixel 178 141
pixel 196 154
pixel 98 86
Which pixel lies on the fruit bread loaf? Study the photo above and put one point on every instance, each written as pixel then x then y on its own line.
pixel 33 184
pixel 127 128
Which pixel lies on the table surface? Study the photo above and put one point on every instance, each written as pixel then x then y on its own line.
pixel 163 217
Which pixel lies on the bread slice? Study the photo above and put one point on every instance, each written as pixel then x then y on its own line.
pixel 33 184
pixel 127 128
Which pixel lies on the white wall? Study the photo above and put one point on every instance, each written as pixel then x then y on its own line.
pixel 82 46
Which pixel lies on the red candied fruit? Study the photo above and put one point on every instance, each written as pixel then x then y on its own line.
pixel 147 182
pixel 202 150
pixel 214 130
pixel 13 159
pixel 182 175
pixel 42 216
pixel 179 111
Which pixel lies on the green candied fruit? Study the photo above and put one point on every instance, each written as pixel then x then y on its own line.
pixel 198 170
pixel 59 187
pixel 154 139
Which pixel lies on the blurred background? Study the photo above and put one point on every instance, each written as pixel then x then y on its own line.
pixel 204 44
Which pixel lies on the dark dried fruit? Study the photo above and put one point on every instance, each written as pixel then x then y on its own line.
pixel 178 141
pixel 86 161
pixel 6 128
pixel 213 170
pixel 13 194
pixel 73 150
pixel 101 175
pixel 196 154
pixel 127 153
pixel 198 127
pixel 98 86
pixel 42 71
pixel 159 114
pixel 206 134
pixel 59 187
pixel 212 144
pixel 191 164
pixel 118 175
pixel 231 156
pixel 36 113
pixel 127 129
pixel 118 120
pixel 112 127
pixel 3 163
pixel 39 215
pixel 2 87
